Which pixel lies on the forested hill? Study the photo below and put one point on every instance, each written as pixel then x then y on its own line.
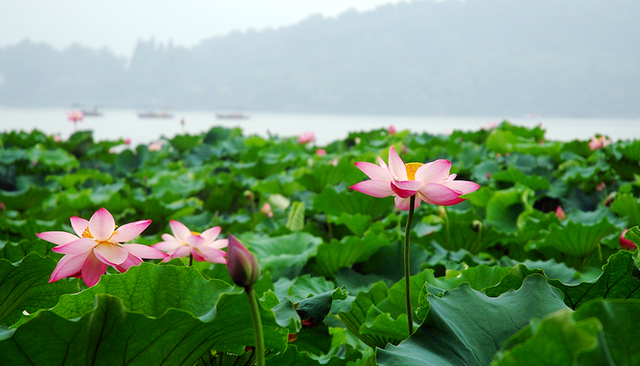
pixel 476 57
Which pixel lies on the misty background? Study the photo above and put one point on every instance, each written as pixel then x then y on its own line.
pixel 564 58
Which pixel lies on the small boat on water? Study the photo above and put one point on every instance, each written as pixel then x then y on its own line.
pixel 91 112
pixel 152 114
pixel 231 116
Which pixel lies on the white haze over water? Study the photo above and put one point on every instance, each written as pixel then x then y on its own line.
pixel 121 124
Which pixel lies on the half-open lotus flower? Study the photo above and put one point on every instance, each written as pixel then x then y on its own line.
pixel 429 182
pixel 306 137
pixel 75 116
pixel 96 245
pixel 203 247
pixel 599 142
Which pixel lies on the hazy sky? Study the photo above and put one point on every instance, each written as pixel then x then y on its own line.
pixel 119 24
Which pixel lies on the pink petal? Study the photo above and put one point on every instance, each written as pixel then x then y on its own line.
pixel 68 266
pixel 218 244
pixel 131 261
pixel 463 186
pixel 211 234
pixel 144 251
pixel 397 165
pixel 168 237
pixel 374 171
pixel 439 194
pixel 210 253
pixel 180 230
pixel 434 172
pixel 79 225
pixel 57 237
pixel 406 188
pixel 183 251
pixel 197 256
pixel 404 203
pixel 130 231
pixel 92 269
pixel 110 253
pixel 76 247
pixel 168 246
pixel 102 225
pixel 375 188
pixel 195 240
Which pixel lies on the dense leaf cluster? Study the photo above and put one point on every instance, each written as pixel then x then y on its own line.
pixel 500 279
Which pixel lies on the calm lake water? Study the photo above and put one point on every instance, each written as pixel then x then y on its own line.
pixel 119 123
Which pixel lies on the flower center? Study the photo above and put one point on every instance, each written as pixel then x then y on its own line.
pixel 87 234
pixel 411 170
pixel 195 233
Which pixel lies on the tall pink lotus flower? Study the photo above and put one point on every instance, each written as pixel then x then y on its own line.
pixel 429 182
pixel 306 137
pixel 202 247
pixel 599 142
pixel 96 246
pixel 75 116
pixel 391 130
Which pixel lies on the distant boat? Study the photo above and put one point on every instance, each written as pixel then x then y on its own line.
pixel 231 116
pixel 91 112
pixel 151 114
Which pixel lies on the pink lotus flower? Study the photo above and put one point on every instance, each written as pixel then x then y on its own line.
pixel 490 125
pixel 321 152
pixel 241 264
pixel 560 213
pixel 96 246
pixel 203 247
pixel 127 141
pixel 75 116
pixel 306 137
pixel 626 243
pixel 391 130
pixel 429 182
pixel 155 146
pixel 599 142
pixel 266 210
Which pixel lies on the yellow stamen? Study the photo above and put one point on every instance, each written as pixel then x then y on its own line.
pixel 195 233
pixel 87 234
pixel 411 170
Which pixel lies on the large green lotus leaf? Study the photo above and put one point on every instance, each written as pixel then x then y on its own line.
pixel 465 327
pixel 505 208
pixel 302 287
pixel 25 286
pixel 150 289
pixel 26 228
pixel 81 176
pixel 620 279
pixel 54 159
pixel 23 139
pixel 616 343
pixel 186 142
pixel 313 310
pixel 555 340
pixel 378 316
pixel 463 231
pixel 357 223
pixel 357 315
pixel 173 185
pixel 284 256
pixel 599 333
pixel 126 162
pixel 344 253
pixel 334 202
pixel 30 197
pixel 514 175
pixel 630 149
pixel 478 277
pixel 502 142
pixel 577 173
pixel 577 239
pixel 296 357
pixel 628 206
pixel 110 334
pixel 323 175
pixel 14 252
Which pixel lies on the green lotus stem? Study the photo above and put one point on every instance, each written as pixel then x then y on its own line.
pixel 190 260
pixel 257 324
pixel 407 264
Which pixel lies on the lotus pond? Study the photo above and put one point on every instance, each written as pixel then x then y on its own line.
pixel 534 267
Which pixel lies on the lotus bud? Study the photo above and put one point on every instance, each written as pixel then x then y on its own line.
pixel 560 213
pixel 241 264
pixel 626 243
